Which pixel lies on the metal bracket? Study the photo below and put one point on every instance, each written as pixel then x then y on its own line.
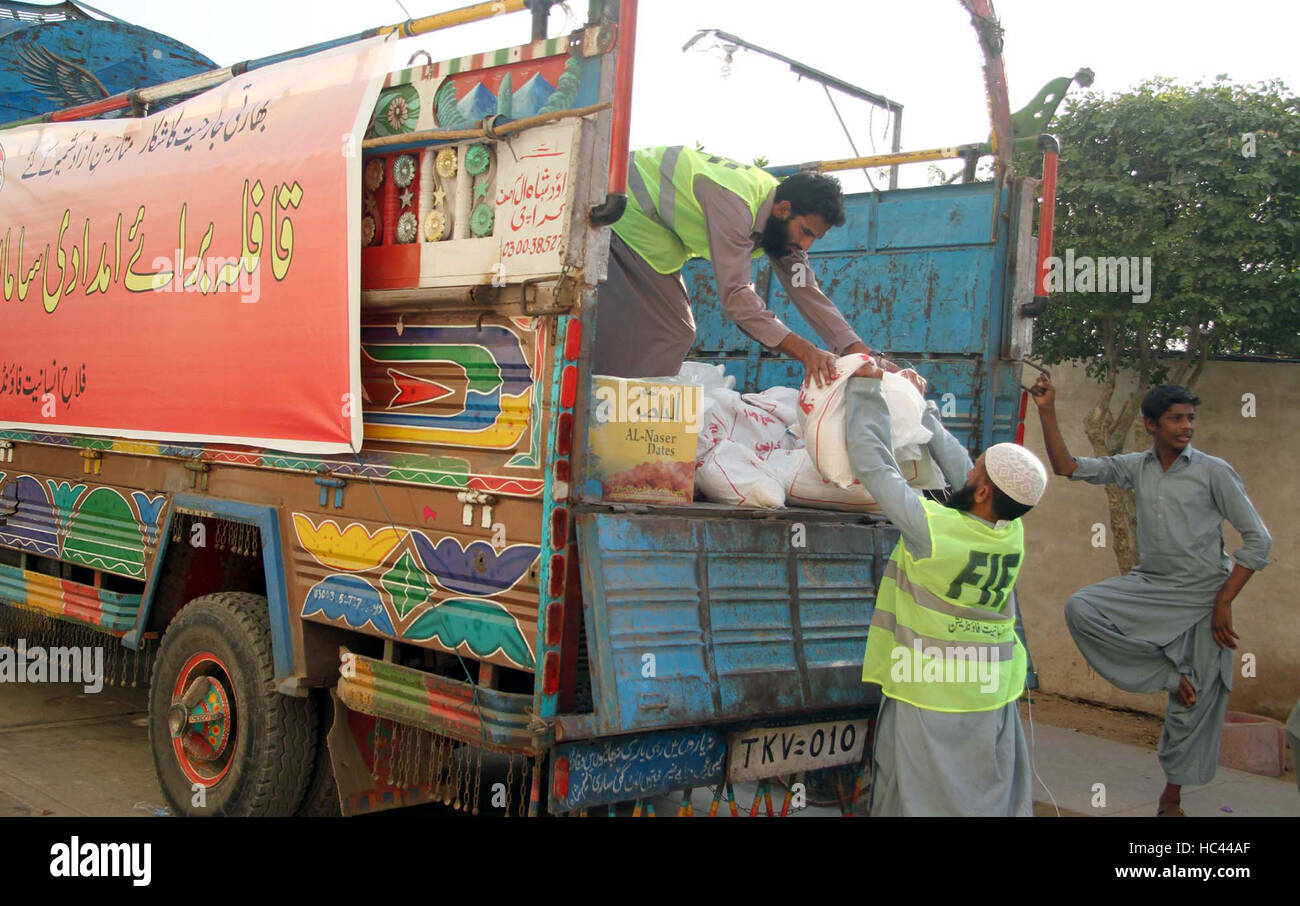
pixel 326 482
pixel 1038 368
pixel 294 685
pixel 198 474
pixel 91 461
pixel 563 297
pixel 477 498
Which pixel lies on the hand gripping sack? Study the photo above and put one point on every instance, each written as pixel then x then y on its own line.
pixel 822 414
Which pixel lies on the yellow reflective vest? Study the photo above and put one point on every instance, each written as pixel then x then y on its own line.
pixel 942 635
pixel 664 222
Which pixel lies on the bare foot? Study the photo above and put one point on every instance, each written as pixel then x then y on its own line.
pixel 1186 695
pixel 1170 805
pixel 1167 809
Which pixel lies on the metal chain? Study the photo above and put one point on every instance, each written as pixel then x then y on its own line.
pixel 444 769
pixel 456 784
pixel 526 785
pixel 510 779
pixel 478 782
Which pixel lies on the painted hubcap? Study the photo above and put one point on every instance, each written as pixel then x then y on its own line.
pixel 201 719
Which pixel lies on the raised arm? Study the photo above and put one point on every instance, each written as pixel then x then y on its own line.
pixel 1120 470
pixel 953 458
pixel 871 455
pixel 1044 394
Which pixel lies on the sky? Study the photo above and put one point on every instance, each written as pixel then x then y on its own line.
pixel 922 53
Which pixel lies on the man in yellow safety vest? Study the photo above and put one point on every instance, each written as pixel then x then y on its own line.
pixel 942 642
pixel 685 204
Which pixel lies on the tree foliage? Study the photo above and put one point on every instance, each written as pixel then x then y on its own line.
pixel 1163 171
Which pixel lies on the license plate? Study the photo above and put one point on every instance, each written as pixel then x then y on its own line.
pixel 772 751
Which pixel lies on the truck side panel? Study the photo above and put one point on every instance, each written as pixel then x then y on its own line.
pixel 709 620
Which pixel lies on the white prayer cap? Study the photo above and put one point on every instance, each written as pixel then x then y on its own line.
pixel 1018 473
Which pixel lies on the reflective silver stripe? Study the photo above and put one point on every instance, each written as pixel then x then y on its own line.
pixel 930 601
pixel 906 636
pixel 667 188
pixel 636 183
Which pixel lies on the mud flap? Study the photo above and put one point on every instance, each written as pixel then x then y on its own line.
pixel 359 792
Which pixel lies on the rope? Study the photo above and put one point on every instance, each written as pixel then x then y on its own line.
pixel 1029 697
pixel 852 144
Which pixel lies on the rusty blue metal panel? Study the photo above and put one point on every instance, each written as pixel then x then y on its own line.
pixel 708 619
pixel 913 220
pixel 932 301
pixel 920 273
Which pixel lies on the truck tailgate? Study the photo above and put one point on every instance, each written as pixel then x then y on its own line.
pixel 710 619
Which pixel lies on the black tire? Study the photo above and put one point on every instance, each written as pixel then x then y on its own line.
pixel 273 737
pixel 321 800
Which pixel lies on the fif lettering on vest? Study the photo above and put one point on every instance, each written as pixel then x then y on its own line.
pixel 102 860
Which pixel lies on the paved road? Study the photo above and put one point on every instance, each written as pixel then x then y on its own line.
pixel 68 753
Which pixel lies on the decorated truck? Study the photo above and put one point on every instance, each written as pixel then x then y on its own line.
pixel 295 404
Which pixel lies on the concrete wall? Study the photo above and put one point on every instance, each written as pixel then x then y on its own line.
pixel 1061 558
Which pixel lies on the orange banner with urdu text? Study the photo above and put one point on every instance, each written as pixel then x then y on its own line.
pixel 193 276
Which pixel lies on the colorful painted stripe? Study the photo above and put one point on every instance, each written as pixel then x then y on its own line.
pixel 519 54
pixel 63 599
pixel 411 468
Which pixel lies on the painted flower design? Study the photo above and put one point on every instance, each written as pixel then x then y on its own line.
pixel 397 111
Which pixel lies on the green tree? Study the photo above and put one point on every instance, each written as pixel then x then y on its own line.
pixel 1205 181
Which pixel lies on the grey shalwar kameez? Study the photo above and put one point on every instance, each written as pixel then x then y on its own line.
pixel 924 762
pixel 1144 630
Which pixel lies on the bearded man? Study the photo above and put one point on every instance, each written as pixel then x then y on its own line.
pixel 685 204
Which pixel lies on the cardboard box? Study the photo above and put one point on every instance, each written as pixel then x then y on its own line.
pixel 641 440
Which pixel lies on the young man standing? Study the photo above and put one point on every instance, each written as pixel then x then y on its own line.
pixel 685 204
pixel 1167 625
pixel 942 643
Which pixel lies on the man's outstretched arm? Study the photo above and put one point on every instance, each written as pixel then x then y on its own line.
pixel 871 455
pixel 729 222
pixel 824 316
pixel 800 282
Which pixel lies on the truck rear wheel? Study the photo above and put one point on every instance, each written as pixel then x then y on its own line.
pixel 224 741
pixel 321 800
